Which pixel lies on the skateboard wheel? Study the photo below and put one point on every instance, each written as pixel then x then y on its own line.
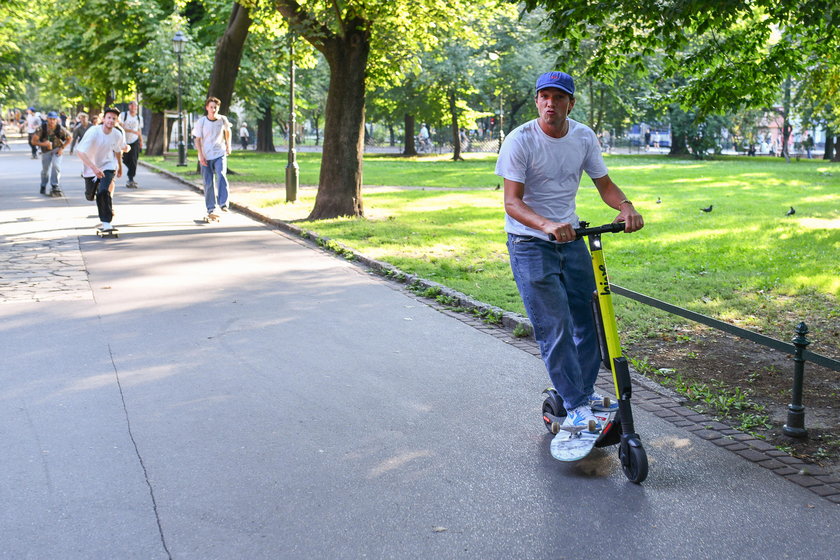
pixel 592 425
pixel 555 428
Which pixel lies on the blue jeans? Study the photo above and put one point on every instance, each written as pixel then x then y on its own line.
pixel 50 168
pixel 215 169
pixel 556 283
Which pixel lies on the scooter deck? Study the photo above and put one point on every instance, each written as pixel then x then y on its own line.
pixel 575 444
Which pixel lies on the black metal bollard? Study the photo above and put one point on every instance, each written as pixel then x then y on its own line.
pixel 795 426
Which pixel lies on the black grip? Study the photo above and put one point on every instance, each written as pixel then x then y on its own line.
pixel 615 227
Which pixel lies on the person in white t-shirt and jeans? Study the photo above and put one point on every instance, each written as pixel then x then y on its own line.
pixel 212 141
pixel 541 163
pixel 132 125
pixel 101 151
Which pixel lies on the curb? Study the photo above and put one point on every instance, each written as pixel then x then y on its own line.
pixel 649 395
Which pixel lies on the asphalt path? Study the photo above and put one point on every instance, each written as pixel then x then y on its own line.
pixel 207 391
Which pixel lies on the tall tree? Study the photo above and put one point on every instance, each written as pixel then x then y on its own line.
pixel 348 34
pixel 229 50
pixel 734 53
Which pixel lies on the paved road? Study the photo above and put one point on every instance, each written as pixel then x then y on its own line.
pixel 224 391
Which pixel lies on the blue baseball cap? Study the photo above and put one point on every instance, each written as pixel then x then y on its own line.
pixel 559 80
pixel 52 115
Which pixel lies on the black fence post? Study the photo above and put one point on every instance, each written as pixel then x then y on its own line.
pixel 795 426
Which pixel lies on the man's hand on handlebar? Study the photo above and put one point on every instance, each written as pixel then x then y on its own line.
pixel 561 231
pixel 633 221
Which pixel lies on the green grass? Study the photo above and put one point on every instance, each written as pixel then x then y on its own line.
pixel 746 262
pixel 379 169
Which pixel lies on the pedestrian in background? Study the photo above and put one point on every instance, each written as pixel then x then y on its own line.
pixel 244 136
pixel 32 122
pixel 132 125
pixel 212 141
pixel 82 126
pixel 52 138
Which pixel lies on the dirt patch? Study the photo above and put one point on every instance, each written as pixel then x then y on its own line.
pixel 756 384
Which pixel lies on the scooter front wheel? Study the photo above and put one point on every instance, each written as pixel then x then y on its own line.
pixel 633 459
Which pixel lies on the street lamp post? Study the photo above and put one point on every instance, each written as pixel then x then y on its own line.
pixel 178 47
pixel 292 167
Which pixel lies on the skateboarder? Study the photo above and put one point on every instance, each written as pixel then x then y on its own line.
pixel 541 163
pixel 212 141
pixel 101 152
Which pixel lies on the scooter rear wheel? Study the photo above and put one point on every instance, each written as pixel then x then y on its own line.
pixel 552 408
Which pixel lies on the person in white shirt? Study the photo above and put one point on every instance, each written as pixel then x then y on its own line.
pixel 32 124
pixel 244 136
pixel 132 125
pixel 542 162
pixel 212 142
pixel 101 152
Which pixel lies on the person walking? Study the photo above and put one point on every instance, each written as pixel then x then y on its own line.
pixel 52 138
pixel 212 142
pixel 244 136
pixel 101 152
pixel 32 122
pixel 132 124
pixel 541 163
pixel 82 126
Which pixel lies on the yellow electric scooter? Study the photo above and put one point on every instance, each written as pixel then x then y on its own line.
pixel 618 427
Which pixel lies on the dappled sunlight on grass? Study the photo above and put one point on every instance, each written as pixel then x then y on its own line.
pixel 819 223
pixel 746 262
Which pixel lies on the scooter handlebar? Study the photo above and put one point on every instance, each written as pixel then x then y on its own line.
pixel 614 227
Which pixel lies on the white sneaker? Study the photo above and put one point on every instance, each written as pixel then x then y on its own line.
pixel 582 416
pixel 106 226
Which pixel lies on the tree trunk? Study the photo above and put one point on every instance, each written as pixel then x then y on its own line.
pixel 228 55
pixel 786 126
pixel 265 130
pixel 340 183
pixel 514 108
pixel 316 124
pixel 409 148
pixel 456 133
pixel 829 144
pixel 836 149
pixel 346 52
pixel 155 142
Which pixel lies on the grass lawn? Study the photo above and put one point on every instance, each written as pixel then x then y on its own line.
pixel 746 262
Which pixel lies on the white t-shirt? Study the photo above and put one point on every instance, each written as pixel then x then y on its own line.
pixel 134 123
pixel 243 132
pixel 212 134
pixel 32 123
pixel 100 148
pixel 550 168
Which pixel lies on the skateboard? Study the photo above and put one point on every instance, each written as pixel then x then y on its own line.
pixel 211 218
pixel 107 233
pixel 573 443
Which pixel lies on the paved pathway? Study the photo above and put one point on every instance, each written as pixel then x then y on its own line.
pixel 227 391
